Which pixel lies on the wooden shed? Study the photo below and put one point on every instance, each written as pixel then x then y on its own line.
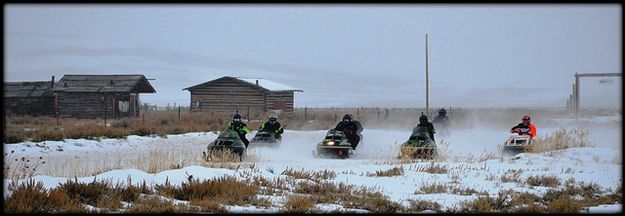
pixel 228 94
pixel 100 96
pixel 29 98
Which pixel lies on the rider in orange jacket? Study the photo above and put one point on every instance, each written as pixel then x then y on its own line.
pixel 525 128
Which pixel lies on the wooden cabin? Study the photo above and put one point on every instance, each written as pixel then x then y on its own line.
pixel 100 96
pixel 29 98
pixel 229 94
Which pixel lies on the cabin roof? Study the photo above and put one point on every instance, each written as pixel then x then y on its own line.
pixel 104 83
pixel 264 84
pixel 28 89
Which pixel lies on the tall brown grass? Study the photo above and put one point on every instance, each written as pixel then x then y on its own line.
pixel 20 168
pixel 395 171
pixel 562 139
pixel 298 204
pixel 36 129
pixel 32 197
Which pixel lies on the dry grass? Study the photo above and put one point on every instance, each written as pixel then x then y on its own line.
pixel 465 191
pixel 348 196
pixel 545 181
pixel 36 129
pixel 224 190
pixel 209 205
pixel 562 139
pixel 512 176
pixel 315 176
pixel 432 168
pixel 100 194
pixel 31 197
pixel 298 204
pixel 421 205
pixel 431 189
pixel 20 168
pixel 274 186
pixel 570 199
pixel 395 171
pixel 152 204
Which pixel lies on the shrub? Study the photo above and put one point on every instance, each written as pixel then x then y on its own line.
pixel 421 205
pixel 433 168
pixel 546 181
pixel 562 139
pixel 32 197
pixel 208 205
pixel 89 193
pixel 432 188
pixel 311 175
pixel 298 204
pixel 227 190
pixel 152 204
pixel 395 171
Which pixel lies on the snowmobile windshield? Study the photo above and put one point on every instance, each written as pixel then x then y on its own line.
pixel 335 135
pixel 228 134
pixel 420 131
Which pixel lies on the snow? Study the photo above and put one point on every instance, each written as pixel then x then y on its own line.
pixel 603 209
pixel 601 165
pixel 270 85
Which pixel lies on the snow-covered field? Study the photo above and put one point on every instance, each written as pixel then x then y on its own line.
pixel 466 157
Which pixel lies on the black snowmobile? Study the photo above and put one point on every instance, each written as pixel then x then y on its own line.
pixel 335 144
pixel 264 138
pixel 227 147
pixel 419 145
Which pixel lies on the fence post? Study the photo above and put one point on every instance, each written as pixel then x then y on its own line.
pixel 248 114
pixel 305 114
pixel 386 114
pixel 178 113
pixel 357 112
pixel 378 114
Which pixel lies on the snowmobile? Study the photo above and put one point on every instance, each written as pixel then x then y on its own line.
pixel 335 144
pixel 419 145
pixel 227 147
pixel 265 138
pixel 517 144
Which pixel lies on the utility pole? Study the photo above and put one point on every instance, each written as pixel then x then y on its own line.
pixel 427 81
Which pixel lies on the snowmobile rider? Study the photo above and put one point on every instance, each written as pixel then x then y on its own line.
pixel 423 122
pixel 272 126
pixel 441 118
pixel 525 128
pixel 350 129
pixel 240 127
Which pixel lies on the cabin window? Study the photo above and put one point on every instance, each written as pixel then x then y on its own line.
pixel 124 106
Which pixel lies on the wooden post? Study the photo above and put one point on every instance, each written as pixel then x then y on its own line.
pixel 305 114
pixel 576 97
pixel 386 114
pixel 178 113
pixel 427 81
pixel 378 114
pixel 56 108
pixel 248 113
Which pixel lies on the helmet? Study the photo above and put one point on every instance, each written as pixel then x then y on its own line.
pixel 442 111
pixel 347 117
pixel 236 117
pixel 526 118
pixel 423 118
pixel 273 118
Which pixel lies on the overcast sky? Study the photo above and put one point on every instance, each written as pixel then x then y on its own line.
pixel 340 55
